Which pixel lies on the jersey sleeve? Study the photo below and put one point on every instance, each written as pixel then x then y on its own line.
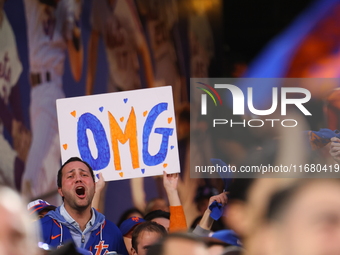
pixel 177 219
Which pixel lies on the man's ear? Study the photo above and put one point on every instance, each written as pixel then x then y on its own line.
pixel 60 192
pixel 133 251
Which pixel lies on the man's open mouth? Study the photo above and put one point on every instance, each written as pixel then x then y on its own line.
pixel 80 191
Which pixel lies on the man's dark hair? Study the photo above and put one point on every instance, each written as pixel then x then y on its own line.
pixel 158 247
pixel 157 214
pixel 72 160
pixel 148 226
pixel 280 201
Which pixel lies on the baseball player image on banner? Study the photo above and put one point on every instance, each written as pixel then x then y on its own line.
pixel 12 155
pixel 118 23
pixel 161 18
pixel 53 27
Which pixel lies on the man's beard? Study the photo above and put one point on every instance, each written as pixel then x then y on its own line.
pixel 81 206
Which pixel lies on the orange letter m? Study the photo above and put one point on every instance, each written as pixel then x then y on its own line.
pixel 130 134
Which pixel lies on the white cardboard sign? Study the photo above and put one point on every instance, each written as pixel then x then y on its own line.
pixel 123 135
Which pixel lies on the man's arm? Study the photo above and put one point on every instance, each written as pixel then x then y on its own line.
pixel 75 51
pixel 335 149
pixel 92 61
pixel 138 193
pixel 177 216
pixel 99 196
pixel 170 184
pixel 206 222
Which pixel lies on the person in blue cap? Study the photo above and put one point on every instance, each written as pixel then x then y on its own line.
pixel 219 241
pixel 39 207
pixel 127 228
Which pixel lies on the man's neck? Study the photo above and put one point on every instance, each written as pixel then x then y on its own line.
pixel 82 217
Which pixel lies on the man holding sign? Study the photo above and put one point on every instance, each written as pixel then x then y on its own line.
pixel 123 135
pixel 75 219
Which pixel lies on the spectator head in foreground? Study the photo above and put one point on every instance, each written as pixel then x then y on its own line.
pixel 247 203
pixel 179 244
pixel 304 219
pixel 17 233
pixel 144 235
